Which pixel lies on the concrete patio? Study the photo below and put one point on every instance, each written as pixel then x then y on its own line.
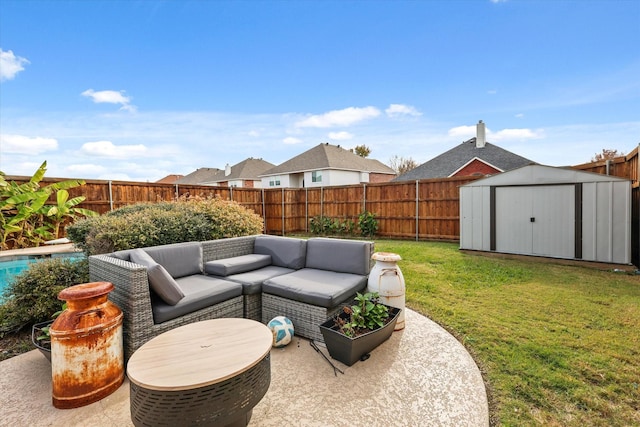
pixel 421 376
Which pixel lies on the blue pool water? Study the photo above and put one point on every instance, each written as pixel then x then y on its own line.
pixel 12 266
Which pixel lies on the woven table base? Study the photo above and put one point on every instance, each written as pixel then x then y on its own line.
pixel 228 403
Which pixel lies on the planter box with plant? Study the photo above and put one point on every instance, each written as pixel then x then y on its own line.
pixel 40 336
pixel 359 328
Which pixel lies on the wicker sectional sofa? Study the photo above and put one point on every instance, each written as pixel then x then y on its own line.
pixel 258 277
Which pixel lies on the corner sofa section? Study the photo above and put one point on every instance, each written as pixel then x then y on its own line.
pixel 146 314
pixel 257 277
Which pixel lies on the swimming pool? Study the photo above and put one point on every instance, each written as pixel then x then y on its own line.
pixel 11 266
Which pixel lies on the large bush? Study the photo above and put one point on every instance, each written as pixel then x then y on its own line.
pixel 33 295
pixel 144 225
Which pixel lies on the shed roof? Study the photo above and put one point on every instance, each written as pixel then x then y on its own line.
pixel 541 174
pixel 447 163
pixel 327 156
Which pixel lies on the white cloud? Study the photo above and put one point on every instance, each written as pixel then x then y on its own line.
pixel 463 131
pixel 20 144
pixel 10 65
pixel 85 169
pixel 254 133
pixel 109 150
pixel 396 110
pixel 345 117
pixel 511 134
pixel 340 136
pixel 110 97
pixel 492 92
pixel 291 140
pixel 467 132
pixel 519 115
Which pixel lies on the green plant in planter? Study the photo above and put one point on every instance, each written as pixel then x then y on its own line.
pixel 45 336
pixel 366 314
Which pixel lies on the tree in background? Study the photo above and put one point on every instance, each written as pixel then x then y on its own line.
pixel 402 165
pixel 362 150
pixel 607 154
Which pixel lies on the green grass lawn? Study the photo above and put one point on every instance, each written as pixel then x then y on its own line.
pixel 558 345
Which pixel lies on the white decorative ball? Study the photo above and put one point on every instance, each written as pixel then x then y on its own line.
pixel 282 330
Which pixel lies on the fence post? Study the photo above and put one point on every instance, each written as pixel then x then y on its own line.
pixel 417 211
pixel 110 197
pixel 283 211
pixel 364 198
pixel 264 213
pixel 306 209
pixel 321 202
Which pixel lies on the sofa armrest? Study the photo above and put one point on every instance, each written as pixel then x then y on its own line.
pixel 131 293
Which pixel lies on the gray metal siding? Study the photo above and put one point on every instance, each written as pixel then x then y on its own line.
pixel 578 215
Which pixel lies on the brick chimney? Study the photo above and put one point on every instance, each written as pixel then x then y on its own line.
pixel 480 135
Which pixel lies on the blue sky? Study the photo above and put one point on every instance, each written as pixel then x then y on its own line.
pixel 137 90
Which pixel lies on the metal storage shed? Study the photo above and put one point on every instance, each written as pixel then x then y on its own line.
pixel 548 211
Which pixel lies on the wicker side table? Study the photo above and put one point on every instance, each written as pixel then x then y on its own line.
pixel 206 373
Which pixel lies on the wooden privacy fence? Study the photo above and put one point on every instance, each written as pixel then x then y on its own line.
pixel 426 209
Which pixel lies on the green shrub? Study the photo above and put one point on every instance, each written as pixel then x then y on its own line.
pixel 368 224
pixel 143 225
pixel 33 295
pixel 322 225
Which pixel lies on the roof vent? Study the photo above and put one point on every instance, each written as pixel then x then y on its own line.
pixel 480 135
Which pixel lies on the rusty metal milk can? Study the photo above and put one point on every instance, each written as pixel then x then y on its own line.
pixel 387 280
pixel 87 360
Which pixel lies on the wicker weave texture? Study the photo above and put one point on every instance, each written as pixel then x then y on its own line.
pixel 253 306
pixel 306 318
pixel 227 248
pixel 219 404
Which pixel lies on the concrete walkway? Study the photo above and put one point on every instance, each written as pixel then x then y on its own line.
pixel 421 376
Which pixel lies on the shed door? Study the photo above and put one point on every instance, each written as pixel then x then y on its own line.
pixel 538 220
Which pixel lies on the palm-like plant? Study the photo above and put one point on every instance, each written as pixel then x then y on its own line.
pixel 24 214
pixel 66 209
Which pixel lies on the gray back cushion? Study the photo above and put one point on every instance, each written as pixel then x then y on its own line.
pixel 285 251
pixel 343 256
pixel 160 281
pixel 179 259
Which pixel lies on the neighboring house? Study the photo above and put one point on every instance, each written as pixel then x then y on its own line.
pixel 169 179
pixel 471 158
pixel 199 176
pixel 244 174
pixel 326 165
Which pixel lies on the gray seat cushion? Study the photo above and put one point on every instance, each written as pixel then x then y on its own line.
pixel 285 251
pixel 344 256
pixel 160 281
pixel 200 292
pixel 179 259
pixel 251 281
pixel 317 287
pixel 238 264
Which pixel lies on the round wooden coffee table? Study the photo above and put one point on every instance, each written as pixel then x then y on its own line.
pixel 211 372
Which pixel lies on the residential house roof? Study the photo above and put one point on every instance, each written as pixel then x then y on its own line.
pixel 327 156
pixel 449 162
pixel 169 179
pixel 248 169
pixel 199 175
